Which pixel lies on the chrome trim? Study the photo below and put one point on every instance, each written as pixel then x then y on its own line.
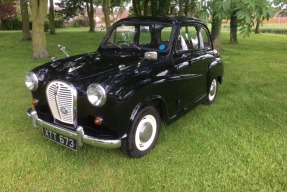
pixel 55 103
pixel 33 115
pixel 35 78
pixel 104 94
pixel 151 55
pixel 78 135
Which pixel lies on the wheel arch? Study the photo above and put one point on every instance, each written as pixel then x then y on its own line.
pixel 216 70
pixel 155 101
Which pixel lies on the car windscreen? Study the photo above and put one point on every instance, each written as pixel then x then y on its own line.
pixel 149 36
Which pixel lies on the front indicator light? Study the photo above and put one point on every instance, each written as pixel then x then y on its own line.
pixel 98 121
pixel 35 102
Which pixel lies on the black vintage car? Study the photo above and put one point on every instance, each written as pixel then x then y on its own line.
pixel 146 71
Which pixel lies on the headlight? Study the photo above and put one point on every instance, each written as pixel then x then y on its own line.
pixel 96 95
pixel 31 81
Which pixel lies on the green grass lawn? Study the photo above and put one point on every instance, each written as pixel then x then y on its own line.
pixel 237 144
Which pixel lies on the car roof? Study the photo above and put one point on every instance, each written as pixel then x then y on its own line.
pixel 169 20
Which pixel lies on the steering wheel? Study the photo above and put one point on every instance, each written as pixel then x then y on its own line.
pixel 123 42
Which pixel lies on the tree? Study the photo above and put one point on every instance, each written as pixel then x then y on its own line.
pixel 279 3
pixel 7 11
pixel 106 10
pixel 227 9
pixel 91 11
pixel 160 7
pixel 233 27
pixel 164 7
pixel 26 35
pixel 253 13
pixel 186 7
pixel 117 6
pixel 140 7
pixel 180 7
pixel 39 12
pixel 52 17
pixel 210 8
pixel 216 31
pixel 71 8
pixel 242 14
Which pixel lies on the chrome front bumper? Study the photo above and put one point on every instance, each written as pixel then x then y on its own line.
pixel 78 135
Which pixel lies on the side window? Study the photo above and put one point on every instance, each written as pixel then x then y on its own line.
pixel 154 36
pixel 204 39
pixel 187 39
pixel 165 34
pixel 144 35
pixel 163 41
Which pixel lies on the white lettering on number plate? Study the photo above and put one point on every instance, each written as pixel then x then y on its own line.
pixel 61 139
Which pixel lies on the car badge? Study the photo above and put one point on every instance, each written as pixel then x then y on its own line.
pixel 64 110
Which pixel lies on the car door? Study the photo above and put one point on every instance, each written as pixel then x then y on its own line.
pixel 191 64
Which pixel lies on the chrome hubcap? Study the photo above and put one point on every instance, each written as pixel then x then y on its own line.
pixel 212 91
pixel 145 133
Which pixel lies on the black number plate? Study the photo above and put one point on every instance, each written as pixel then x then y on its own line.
pixel 61 139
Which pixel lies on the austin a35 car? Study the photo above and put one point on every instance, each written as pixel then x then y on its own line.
pixel 147 71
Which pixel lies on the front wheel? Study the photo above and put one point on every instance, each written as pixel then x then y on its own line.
pixel 212 94
pixel 144 133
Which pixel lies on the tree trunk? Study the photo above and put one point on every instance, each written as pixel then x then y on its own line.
pixel 52 18
pixel 216 32
pixel 154 7
pixel 39 12
pixel 136 7
pixel 163 7
pixel 159 7
pixel 186 8
pixel 180 7
pixel 191 8
pixel 26 35
pixel 146 8
pixel 90 11
pixel 106 10
pixel 258 21
pixel 233 28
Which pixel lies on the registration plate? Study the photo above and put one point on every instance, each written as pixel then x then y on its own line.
pixel 61 139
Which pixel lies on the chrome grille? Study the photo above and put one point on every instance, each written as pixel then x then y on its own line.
pixel 61 99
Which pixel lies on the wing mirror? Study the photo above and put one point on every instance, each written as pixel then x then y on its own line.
pixel 151 55
pixel 63 49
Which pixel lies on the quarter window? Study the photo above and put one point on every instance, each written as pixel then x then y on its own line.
pixel 193 38
pixel 144 35
pixel 205 40
pixel 187 39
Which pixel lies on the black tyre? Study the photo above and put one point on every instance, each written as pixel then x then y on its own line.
pixel 212 94
pixel 144 133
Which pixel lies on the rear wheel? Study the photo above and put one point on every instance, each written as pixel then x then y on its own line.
pixel 212 94
pixel 144 133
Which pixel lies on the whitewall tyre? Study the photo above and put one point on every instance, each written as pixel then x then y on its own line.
pixel 143 134
pixel 213 91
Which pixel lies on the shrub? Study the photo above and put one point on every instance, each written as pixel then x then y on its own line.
pixel 276 31
pixel 80 23
pixel 16 24
pixel 12 24
pixel 59 23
